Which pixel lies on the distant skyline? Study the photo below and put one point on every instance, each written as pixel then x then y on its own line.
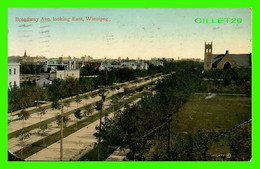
pixel 126 32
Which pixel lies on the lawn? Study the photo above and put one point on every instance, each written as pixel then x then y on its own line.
pixel 220 113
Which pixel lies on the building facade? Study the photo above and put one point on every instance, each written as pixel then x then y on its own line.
pixel 44 82
pixel 59 68
pixel 13 73
pixel 123 63
pixel 225 61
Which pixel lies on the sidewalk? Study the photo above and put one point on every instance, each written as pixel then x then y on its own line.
pixel 73 145
pixel 118 155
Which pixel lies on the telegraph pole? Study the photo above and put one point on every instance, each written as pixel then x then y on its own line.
pixel 103 97
pixel 99 136
pixel 169 119
pixel 106 77
pixel 61 135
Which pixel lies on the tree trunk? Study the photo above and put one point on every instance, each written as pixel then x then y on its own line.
pixel 133 155
pixel 22 151
pixel 98 153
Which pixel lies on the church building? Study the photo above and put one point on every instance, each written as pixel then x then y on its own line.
pixel 225 61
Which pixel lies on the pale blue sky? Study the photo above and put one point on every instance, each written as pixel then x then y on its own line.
pixel 130 32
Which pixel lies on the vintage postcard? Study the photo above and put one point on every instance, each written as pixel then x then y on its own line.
pixel 129 84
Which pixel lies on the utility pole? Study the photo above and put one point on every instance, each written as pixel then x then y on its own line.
pixel 99 136
pixel 103 97
pixel 35 75
pixel 169 119
pixel 61 135
pixel 106 77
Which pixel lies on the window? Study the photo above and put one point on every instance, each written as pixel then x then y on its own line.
pixel 14 82
pixel 14 71
pixel 10 84
pixel 10 71
pixel 44 84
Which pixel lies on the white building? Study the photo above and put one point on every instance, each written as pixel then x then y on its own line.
pixel 63 74
pixel 123 63
pixel 13 73
pixel 44 82
pixel 61 68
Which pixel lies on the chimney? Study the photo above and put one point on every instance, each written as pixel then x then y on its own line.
pixel 226 51
pixel 74 65
pixel 69 65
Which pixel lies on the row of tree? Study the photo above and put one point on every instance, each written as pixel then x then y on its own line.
pixel 136 126
pixel 26 96
pixel 167 67
pixel 30 68
pixel 29 94
pixel 237 75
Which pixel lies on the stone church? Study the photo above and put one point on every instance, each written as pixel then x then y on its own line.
pixel 225 61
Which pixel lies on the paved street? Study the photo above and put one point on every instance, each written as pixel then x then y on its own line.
pixel 78 142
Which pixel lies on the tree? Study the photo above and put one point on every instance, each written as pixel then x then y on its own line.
pixel 88 70
pixel 78 100
pixel 86 96
pixel 78 115
pixel 42 112
pixel 93 94
pixel 88 109
pixel 61 121
pixel 66 119
pixel 43 128
pixel 13 99
pixel 24 115
pixel 115 99
pixel 240 143
pixel 26 97
pixel 30 68
pixel 22 137
pixel 66 103
pixel 56 90
pixel 99 107
pixel 72 87
pixel 39 93
pixel 130 130
pixel 55 105
pixel 86 84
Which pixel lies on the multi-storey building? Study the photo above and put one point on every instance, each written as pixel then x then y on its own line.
pixel 13 73
pixel 123 63
pixel 59 68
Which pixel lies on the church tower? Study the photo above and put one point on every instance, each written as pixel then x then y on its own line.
pixel 208 56
pixel 24 54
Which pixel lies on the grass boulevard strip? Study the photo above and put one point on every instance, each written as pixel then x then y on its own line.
pixel 38 145
pixel 45 142
pixel 47 106
pixel 37 125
